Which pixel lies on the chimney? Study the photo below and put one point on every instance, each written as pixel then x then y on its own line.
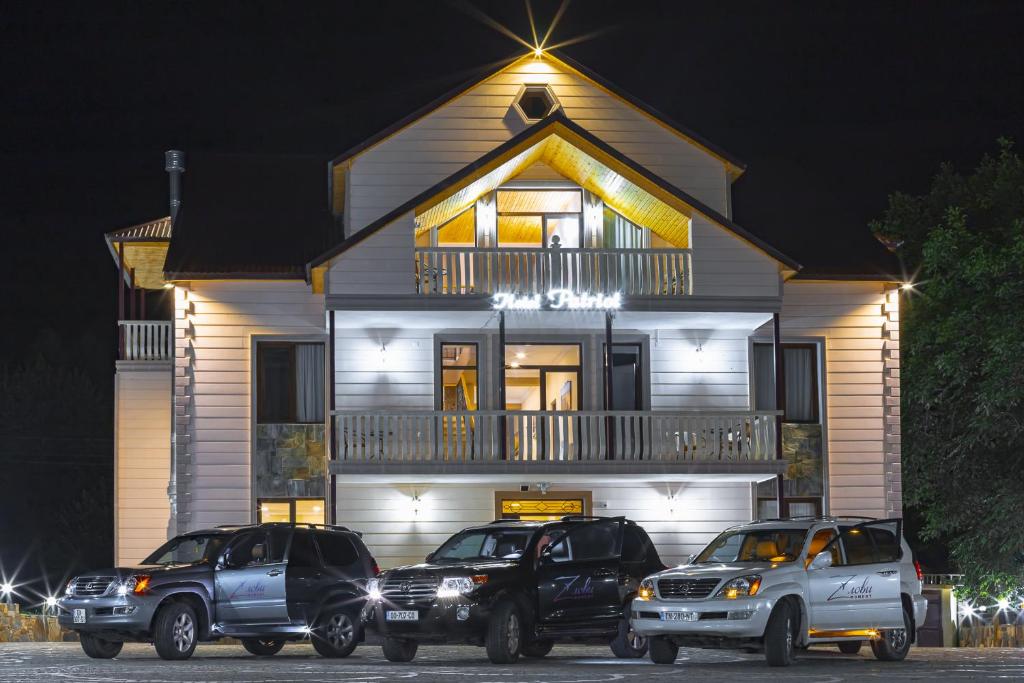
pixel 174 164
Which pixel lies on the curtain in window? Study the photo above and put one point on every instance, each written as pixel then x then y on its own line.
pixel 764 377
pixel 800 398
pixel 309 382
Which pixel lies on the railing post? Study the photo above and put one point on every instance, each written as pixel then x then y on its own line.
pixel 780 406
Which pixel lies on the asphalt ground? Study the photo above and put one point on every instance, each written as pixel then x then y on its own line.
pixel 462 664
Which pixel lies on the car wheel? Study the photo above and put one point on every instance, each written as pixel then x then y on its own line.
pixel 175 631
pixel 850 647
pixel 504 634
pixel 893 644
pixel 261 647
pixel 537 648
pixel 336 634
pixel 662 650
pixel 98 648
pixel 628 644
pixel 399 650
pixel 779 635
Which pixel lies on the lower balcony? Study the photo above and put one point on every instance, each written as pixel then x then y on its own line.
pixel 576 442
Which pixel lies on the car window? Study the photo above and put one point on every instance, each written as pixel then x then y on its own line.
pixel 887 542
pixel 336 549
pixel 303 552
pixel 634 545
pixel 819 542
pixel 857 546
pixel 871 543
pixel 485 544
pixel 189 549
pixel 248 550
pixel 279 537
pixel 588 541
pixel 754 545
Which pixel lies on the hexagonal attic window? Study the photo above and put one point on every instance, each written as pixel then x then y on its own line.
pixel 535 102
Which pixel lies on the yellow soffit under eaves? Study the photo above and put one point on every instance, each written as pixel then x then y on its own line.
pixel 629 193
pixel 147 258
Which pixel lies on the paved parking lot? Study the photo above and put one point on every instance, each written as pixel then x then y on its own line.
pixel 566 664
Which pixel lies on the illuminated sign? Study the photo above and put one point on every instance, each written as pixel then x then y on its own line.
pixel 557 300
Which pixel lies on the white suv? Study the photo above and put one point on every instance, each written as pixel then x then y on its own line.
pixel 779 585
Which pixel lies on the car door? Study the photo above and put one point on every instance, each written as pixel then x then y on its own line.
pixel 304 576
pixel 861 590
pixel 578 574
pixel 249 580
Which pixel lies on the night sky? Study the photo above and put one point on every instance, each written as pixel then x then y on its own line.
pixel 832 106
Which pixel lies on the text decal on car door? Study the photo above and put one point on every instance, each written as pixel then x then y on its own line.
pixel 248 589
pixel 573 590
pixel 850 590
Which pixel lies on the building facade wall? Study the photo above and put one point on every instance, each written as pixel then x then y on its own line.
pixel 142 462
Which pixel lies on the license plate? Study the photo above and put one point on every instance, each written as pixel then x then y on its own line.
pixel 79 616
pixel 679 616
pixel 404 615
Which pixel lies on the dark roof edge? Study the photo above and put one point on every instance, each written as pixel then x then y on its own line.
pixel 297 273
pixel 555 117
pixel 438 102
pixel 849 277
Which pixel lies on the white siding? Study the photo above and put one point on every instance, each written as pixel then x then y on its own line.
pixel 452 136
pixel 397 535
pixel 383 263
pixel 849 315
pixel 142 459
pixel 403 379
pixel 221 319
pixel 725 265
pixel 715 377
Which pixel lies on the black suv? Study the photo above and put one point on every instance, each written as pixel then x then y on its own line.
pixel 517 588
pixel 263 584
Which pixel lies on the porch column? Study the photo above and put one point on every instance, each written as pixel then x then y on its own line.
pixel 332 446
pixel 120 300
pixel 608 355
pixel 131 278
pixel 501 383
pixel 780 407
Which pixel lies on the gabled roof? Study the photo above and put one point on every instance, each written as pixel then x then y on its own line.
pixel 250 216
pixel 735 166
pixel 144 246
pixel 556 124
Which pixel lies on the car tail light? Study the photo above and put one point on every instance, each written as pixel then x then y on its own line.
pixel 917 568
pixel 375 567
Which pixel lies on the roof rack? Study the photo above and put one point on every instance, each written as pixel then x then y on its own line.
pixel 331 527
pixel 811 518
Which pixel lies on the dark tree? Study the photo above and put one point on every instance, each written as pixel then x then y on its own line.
pixel 963 364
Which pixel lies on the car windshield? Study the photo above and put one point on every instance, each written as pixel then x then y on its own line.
pixel 754 545
pixel 190 549
pixel 484 544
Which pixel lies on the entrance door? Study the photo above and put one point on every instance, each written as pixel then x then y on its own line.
pixel 578 575
pixel 862 591
pixel 542 381
pixel 250 581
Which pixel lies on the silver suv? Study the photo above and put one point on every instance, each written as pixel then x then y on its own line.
pixel 785 584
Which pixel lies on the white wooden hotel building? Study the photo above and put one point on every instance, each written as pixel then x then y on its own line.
pixel 418 339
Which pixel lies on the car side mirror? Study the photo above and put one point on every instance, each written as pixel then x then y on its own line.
pixel 822 560
pixel 428 558
pixel 691 558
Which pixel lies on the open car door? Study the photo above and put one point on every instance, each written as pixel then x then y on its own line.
pixel 578 574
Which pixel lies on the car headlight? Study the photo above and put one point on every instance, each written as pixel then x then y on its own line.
pixel 454 586
pixel 137 584
pixel 373 589
pixel 70 588
pixel 740 587
pixel 646 590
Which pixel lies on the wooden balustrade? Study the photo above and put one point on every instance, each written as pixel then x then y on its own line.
pixel 146 340
pixel 549 436
pixel 454 271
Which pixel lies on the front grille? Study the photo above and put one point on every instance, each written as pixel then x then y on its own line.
pixel 91 586
pixel 418 588
pixel 682 589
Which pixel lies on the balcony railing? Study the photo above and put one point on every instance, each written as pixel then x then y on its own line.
pixel 539 437
pixel 145 340
pixel 456 271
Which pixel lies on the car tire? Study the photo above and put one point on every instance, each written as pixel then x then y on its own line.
pixel 628 644
pixel 662 650
pixel 98 648
pixel 537 648
pixel 504 634
pixel 779 635
pixel 850 647
pixel 893 644
pixel 399 650
pixel 337 633
pixel 175 631
pixel 262 647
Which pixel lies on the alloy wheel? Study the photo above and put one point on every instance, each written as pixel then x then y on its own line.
pixel 789 636
pixel 340 631
pixel 897 638
pixel 513 632
pixel 635 640
pixel 183 632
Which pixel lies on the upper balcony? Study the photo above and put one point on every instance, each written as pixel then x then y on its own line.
pixel 145 340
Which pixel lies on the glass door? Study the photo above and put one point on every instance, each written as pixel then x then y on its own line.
pixel 542 381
